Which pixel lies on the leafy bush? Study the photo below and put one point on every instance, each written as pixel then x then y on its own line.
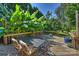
pixel 22 21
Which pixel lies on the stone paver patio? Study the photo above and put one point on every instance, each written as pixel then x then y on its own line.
pixel 8 50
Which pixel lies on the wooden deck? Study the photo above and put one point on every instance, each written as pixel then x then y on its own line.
pixel 61 49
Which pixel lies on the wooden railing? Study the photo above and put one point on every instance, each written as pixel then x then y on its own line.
pixel 17 34
pixel 26 33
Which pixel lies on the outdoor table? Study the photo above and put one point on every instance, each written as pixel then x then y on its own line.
pixel 37 42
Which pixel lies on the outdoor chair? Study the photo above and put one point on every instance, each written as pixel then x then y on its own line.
pixel 27 50
pixel 16 44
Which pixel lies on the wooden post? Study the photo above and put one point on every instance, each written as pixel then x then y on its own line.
pixel 75 40
pixel 77 24
pixel 5 40
pixel 75 35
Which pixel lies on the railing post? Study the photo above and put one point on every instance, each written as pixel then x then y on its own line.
pixel 75 37
pixel 5 40
pixel 77 23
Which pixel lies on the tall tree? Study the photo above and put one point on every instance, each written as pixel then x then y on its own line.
pixel 39 14
pixel 48 14
pixel 64 14
pixel 70 13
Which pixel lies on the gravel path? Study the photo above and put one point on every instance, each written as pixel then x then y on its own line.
pixel 8 50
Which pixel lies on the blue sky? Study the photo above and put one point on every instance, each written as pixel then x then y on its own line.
pixel 44 7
